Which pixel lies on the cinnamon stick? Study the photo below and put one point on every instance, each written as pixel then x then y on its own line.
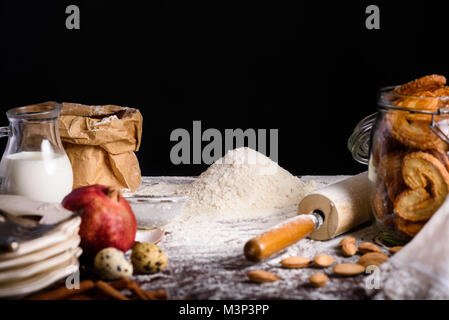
pixel 119 284
pixel 134 287
pixel 157 295
pixel 110 291
pixel 64 292
pixel 81 297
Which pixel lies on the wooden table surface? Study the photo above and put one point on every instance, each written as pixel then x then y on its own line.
pixel 208 263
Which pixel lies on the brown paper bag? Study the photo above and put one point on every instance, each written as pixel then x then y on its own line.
pixel 100 142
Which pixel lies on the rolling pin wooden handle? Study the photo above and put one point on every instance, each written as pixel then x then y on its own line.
pixel 281 236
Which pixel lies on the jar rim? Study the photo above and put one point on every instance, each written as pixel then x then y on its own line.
pixel 386 93
pixel 390 90
pixel 48 110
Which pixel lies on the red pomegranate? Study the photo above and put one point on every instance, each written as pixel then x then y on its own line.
pixel 107 220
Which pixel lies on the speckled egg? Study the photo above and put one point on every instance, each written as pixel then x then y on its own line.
pixel 148 257
pixel 111 264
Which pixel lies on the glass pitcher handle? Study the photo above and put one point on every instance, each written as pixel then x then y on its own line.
pixel 359 141
pixel 4 132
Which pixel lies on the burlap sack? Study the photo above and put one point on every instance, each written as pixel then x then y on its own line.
pixel 100 142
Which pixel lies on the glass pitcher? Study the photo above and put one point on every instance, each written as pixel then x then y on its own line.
pixel 406 149
pixel 34 163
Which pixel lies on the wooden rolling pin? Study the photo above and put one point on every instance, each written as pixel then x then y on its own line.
pixel 323 215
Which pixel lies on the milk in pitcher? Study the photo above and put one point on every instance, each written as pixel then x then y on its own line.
pixel 39 175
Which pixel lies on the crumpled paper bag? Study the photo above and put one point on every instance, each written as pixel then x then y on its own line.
pixel 100 142
pixel 420 270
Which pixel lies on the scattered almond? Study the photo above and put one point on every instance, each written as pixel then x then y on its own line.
pixel 323 260
pixel 368 247
pixel 372 258
pixel 261 276
pixel 393 250
pixel 348 269
pixel 347 240
pixel 348 249
pixel 295 262
pixel 318 280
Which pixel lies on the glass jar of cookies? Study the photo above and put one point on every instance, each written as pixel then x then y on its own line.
pixel 408 164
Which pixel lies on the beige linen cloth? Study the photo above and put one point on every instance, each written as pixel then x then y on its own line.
pixel 421 269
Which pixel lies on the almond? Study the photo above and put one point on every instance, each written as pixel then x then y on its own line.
pixel 368 247
pixel 261 276
pixel 348 249
pixel 348 269
pixel 323 260
pixel 347 240
pixel 295 262
pixel 318 280
pixel 372 258
pixel 393 250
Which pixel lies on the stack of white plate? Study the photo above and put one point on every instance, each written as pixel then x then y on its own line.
pixel 40 262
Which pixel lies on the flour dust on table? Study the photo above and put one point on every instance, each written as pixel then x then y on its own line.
pixel 206 258
pixel 230 203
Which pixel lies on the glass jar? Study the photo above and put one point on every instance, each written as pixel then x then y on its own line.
pixel 34 163
pixel 405 145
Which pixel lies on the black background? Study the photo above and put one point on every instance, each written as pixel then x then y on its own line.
pixel 310 70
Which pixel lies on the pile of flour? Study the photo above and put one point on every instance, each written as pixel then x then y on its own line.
pixel 245 183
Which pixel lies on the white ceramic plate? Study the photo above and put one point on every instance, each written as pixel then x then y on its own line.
pixel 23 206
pixel 61 233
pixel 154 236
pixel 35 268
pixel 39 281
pixel 37 256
